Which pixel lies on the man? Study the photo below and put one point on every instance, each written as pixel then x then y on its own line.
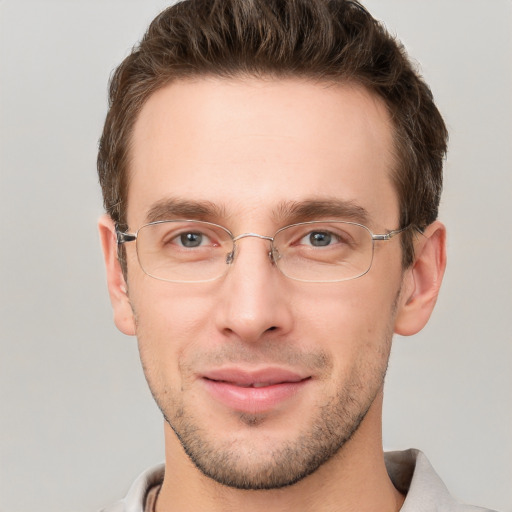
pixel 271 172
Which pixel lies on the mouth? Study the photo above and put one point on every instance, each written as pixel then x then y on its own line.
pixel 254 392
pixel 254 384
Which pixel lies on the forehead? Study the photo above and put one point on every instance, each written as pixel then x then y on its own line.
pixel 250 145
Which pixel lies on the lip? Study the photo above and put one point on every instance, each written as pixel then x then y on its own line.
pixel 253 392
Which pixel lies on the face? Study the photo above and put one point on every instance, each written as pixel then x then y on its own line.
pixel 262 378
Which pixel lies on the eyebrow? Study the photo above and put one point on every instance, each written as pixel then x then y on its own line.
pixel 287 212
pixel 172 208
pixel 312 209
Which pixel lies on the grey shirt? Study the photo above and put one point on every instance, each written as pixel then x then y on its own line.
pixel 410 472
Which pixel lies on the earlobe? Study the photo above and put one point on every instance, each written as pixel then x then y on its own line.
pixel 422 281
pixel 123 314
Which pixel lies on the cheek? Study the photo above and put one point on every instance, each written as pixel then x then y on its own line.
pixel 348 319
pixel 350 307
pixel 169 324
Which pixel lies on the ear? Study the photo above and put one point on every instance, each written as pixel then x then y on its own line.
pixel 123 314
pixel 422 281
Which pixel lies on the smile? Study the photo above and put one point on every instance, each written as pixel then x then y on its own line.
pixel 253 392
pixel 255 385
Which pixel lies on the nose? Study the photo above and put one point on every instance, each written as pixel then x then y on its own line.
pixel 254 303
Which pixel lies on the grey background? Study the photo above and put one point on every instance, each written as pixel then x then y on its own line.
pixel 77 423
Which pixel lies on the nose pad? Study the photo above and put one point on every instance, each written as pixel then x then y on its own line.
pixel 274 255
pixel 230 256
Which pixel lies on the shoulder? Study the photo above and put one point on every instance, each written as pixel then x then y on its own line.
pixel 410 471
pixel 413 475
pixel 135 498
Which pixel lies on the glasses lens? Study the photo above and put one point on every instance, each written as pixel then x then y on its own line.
pixel 324 251
pixel 183 251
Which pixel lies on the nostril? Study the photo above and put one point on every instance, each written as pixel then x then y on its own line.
pixel 273 328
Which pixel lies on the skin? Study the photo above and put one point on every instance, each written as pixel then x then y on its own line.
pixel 249 146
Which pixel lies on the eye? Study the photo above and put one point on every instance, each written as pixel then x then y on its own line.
pixel 191 239
pixel 176 236
pixel 318 239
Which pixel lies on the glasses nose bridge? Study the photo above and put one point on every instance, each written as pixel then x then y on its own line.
pixel 231 256
pixel 255 235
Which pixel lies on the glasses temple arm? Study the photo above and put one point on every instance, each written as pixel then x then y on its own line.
pixel 391 234
pixel 125 237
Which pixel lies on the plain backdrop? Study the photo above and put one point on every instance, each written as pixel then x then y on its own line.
pixel 77 423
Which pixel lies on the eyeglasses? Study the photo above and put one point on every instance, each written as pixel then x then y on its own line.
pixel 191 251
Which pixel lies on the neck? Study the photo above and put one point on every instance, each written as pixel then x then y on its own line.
pixel 354 479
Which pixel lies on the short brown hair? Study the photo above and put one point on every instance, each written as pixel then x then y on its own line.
pixel 322 40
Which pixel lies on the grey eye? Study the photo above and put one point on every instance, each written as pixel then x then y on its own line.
pixel 191 239
pixel 320 238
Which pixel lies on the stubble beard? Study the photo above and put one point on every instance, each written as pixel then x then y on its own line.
pixel 280 466
pixel 335 423
pixel 239 464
